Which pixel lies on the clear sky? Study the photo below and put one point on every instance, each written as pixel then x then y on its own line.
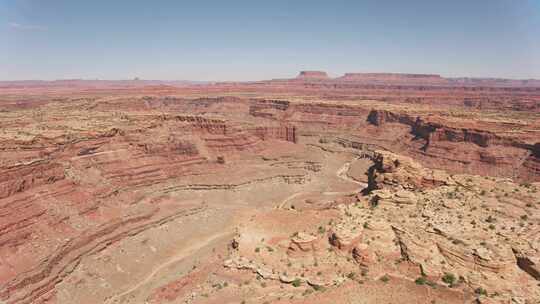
pixel 252 39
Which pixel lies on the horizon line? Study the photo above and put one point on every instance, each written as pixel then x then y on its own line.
pixel 329 77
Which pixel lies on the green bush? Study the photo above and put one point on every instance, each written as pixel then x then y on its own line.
pixel 449 278
pixel 480 291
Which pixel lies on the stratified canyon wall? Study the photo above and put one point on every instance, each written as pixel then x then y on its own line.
pixel 286 189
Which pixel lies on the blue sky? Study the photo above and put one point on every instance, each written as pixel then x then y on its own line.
pixel 251 40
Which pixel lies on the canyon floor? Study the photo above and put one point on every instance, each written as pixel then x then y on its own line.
pixel 374 188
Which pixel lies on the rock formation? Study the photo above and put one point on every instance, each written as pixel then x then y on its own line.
pixel 380 187
pixel 312 75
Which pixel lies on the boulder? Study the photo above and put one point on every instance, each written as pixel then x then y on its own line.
pixel 302 243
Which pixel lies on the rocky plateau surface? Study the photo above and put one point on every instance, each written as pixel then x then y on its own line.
pixel 365 188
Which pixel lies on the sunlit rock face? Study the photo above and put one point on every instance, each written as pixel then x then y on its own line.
pixel 314 189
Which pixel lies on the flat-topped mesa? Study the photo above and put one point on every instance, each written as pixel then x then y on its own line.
pixel 312 75
pixel 392 77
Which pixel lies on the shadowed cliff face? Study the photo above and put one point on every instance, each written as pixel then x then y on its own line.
pixel 536 150
pixel 480 142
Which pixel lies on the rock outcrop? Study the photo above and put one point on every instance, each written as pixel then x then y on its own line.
pixel 389 78
pixel 390 169
pixel 482 149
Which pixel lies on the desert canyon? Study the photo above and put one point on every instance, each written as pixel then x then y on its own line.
pixel 364 188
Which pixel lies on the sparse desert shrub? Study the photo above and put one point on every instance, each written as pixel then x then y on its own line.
pixel 449 278
pixel 491 219
pixel 296 283
pixel 217 286
pixel 480 291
